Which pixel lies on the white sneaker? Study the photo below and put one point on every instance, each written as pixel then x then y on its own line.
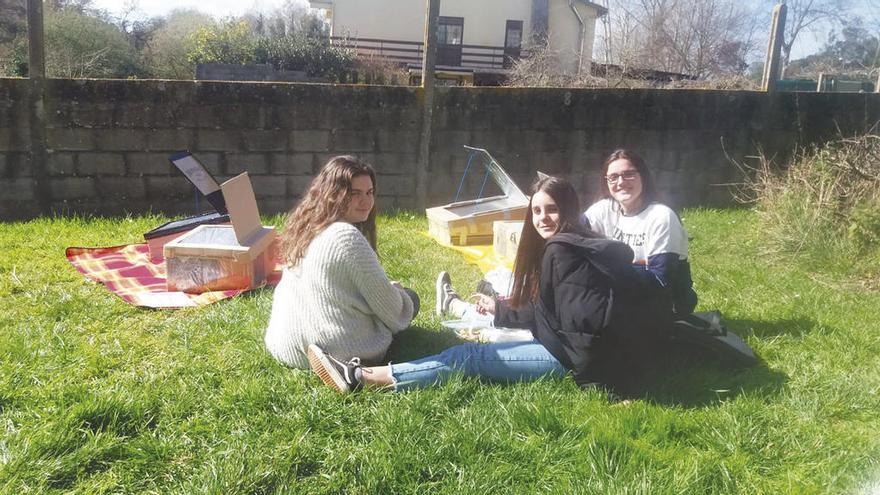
pixel 444 292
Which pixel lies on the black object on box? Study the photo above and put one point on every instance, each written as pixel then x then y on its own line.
pixel 185 224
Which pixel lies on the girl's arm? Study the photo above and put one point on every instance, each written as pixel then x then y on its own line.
pixel 389 303
pixel 507 316
pixel 658 272
pixel 666 245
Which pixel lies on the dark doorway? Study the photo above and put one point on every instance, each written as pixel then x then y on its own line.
pixel 512 42
pixel 450 32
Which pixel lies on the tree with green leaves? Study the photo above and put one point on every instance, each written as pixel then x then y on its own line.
pixel 235 42
pixel 853 52
pixel 167 52
pixel 81 45
pixel 13 32
pixel 79 42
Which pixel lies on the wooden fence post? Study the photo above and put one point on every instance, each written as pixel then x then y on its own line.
pixel 37 79
pixel 774 48
pixel 431 18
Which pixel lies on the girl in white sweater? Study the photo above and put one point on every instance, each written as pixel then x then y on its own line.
pixel 333 292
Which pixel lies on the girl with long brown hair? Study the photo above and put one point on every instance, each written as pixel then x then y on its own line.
pixel 333 291
pixel 566 284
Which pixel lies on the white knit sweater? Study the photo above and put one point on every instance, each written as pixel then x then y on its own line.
pixel 338 297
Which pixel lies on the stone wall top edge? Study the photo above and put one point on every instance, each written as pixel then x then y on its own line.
pixel 99 88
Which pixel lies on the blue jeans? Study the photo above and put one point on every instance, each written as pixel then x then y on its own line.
pixel 499 362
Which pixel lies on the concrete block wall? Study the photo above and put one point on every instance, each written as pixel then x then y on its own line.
pixel 107 142
pixel 690 138
pixel 18 197
pixel 101 146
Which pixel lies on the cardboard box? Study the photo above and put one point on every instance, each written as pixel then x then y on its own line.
pixel 202 179
pixel 223 257
pixel 465 223
pixel 506 239
pixel 167 232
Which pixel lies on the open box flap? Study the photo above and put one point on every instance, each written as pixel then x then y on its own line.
pixel 500 177
pixel 242 204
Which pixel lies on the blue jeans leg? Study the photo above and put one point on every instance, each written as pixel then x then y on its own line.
pixel 500 362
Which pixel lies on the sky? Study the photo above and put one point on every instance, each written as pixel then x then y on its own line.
pixel 218 8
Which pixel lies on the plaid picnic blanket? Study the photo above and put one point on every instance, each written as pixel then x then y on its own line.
pixel 128 272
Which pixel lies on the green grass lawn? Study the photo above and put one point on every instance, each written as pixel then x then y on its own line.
pixel 100 397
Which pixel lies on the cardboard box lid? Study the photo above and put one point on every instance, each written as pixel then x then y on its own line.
pixel 500 177
pixel 242 205
pixel 512 197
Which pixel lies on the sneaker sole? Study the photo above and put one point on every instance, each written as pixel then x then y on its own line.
pixel 325 370
pixel 439 293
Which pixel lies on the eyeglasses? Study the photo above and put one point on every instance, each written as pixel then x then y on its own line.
pixel 626 176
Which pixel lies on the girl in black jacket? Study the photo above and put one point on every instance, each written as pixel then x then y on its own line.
pixel 573 289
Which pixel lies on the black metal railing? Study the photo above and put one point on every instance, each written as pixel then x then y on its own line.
pixel 412 52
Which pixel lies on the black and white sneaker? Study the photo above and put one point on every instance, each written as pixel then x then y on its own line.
pixel 341 375
pixel 444 292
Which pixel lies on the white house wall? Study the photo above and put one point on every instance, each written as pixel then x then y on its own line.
pixel 564 33
pixel 404 19
pixel 484 22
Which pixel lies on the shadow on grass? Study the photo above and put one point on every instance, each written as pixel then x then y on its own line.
pixel 418 342
pixel 691 381
pixel 684 376
pixel 795 327
pixel 690 376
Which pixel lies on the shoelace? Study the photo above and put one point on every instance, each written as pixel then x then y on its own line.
pixel 354 362
pixel 450 291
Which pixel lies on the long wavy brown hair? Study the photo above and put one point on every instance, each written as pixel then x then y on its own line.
pixel 527 267
pixel 325 202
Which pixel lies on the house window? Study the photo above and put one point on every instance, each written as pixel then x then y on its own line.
pixel 450 32
pixel 512 42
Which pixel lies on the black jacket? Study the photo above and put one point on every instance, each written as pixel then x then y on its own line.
pixel 592 309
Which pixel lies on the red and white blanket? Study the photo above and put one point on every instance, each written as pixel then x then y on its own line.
pixel 128 272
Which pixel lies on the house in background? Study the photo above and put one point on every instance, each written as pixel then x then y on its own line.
pixel 478 39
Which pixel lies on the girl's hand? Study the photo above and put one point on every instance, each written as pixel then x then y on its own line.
pixel 485 304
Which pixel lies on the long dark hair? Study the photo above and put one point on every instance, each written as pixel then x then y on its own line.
pixel 527 267
pixel 649 186
pixel 325 202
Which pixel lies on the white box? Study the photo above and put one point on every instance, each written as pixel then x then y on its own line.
pixel 506 239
